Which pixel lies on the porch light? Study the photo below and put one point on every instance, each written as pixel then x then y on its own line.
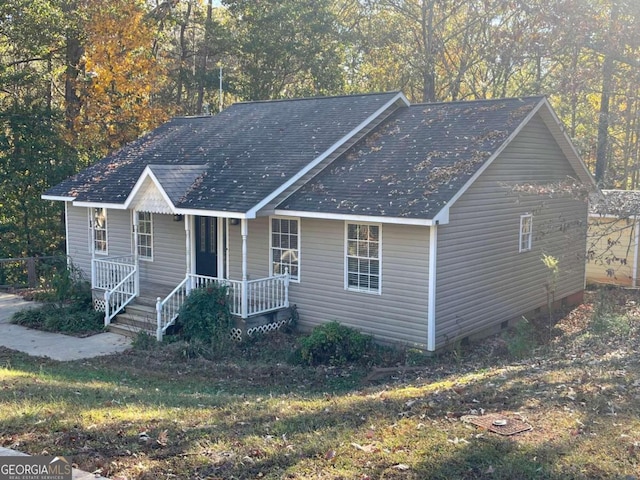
pixel 234 221
pixel 177 218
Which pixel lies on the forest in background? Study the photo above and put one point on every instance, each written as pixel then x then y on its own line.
pixel 79 78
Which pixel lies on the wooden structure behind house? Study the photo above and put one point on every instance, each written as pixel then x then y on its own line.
pixel 613 238
pixel 419 224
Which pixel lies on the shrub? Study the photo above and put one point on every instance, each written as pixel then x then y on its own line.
pixel 67 306
pixel 334 344
pixel 205 316
pixel 67 286
pixel 521 339
pixel 64 319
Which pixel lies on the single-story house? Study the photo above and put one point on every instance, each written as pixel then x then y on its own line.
pixel 613 238
pixel 419 224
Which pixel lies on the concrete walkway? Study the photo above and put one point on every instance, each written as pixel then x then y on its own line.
pixel 75 474
pixel 52 345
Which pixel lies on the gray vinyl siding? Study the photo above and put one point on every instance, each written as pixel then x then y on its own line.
pixel 169 257
pixel 79 242
pixel 257 250
pixel 398 315
pixel 169 264
pixel 79 238
pixel 482 279
pixel 119 233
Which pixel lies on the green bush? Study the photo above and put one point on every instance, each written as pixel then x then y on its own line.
pixel 521 340
pixel 64 319
pixel 67 306
pixel 205 316
pixel 67 286
pixel 334 344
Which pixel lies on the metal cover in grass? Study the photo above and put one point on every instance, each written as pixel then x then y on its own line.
pixel 498 423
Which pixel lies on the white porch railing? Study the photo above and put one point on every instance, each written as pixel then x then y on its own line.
pixel 117 276
pixel 108 272
pixel 260 296
pixel 119 296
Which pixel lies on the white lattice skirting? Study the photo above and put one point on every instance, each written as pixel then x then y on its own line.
pixel 236 333
pixel 98 304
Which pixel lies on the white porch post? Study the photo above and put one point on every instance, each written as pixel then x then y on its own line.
pixel 92 239
pixel 187 237
pixel 136 263
pixel 244 230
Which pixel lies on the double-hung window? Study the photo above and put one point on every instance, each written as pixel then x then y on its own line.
pixel 526 232
pixel 145 235
pixel 363 257
pixel 99 222
pixel 285 247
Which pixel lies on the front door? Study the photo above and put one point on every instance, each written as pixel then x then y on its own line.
pixel 207 246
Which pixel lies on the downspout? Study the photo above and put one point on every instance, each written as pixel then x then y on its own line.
pixel 244 230
pixel 431 308
pixel 635 256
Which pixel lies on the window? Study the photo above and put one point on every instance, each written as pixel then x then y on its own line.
pixel 363 258
pixel 145 235
pixel 285 247
pixel 526 224
pixel 100 230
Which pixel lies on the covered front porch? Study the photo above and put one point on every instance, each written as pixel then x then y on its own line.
pixel 117 281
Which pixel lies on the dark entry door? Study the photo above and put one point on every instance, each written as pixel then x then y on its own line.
pixel 207 246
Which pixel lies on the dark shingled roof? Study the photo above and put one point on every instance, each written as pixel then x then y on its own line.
pixel 249 149
pixel 414 162
pixel 621 203
pixel 178 180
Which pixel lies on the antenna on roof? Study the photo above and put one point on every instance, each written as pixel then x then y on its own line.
pixel 220 92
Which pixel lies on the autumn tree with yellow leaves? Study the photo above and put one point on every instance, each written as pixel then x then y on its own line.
pixel 122 78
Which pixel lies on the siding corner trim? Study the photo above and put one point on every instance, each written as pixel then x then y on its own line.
pixel 431 307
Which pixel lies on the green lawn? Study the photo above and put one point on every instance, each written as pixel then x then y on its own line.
pixel 154 414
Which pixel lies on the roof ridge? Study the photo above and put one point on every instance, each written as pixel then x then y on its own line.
pixel 319 97
pixel 479 100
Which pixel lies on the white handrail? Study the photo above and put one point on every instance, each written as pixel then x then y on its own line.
pixel 262 295
pixel 120 295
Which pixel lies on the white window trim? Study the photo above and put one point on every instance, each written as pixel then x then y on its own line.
pixel 141 257
pixel 346 259
pixel 92 232
pixel 299 249
pixel 523 219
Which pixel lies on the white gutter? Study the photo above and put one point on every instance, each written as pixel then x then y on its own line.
pixel 357 218
pixel 431 308
pixel 57 198
pixel 113 206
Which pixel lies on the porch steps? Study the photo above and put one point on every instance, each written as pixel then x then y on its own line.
pixel 139 315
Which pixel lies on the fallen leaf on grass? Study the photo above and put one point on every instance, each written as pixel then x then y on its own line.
pixel 401 466
pixel 457 440
pixel 163 438
pixel 330 455
pixel 366 448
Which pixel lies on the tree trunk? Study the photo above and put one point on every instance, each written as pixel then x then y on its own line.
pixel 203 58
pixel 183 56
pixel 428 72
pixel 607 84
